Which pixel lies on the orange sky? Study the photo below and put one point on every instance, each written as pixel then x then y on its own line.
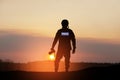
pixel 88 18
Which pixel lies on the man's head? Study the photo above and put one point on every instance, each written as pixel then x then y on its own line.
pixel 65 23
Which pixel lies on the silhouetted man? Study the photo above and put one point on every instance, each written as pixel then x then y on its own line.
pixel 65 36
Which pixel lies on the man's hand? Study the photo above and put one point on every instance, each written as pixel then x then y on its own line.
pixel 52 51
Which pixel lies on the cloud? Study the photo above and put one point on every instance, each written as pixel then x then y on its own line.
pixel 98 50
pixel 23 48
pixel 98 47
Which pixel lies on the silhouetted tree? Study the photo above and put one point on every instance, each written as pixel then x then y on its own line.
pixel 8 61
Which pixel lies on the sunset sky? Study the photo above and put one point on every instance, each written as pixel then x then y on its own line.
pixel 27 28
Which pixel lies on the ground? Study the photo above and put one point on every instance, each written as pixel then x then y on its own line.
pixel 92 73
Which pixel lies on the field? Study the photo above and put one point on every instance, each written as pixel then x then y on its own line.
pixel 83 71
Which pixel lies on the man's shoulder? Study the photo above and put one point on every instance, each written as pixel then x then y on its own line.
pixel 64 30
pixel 59 29
pixel 70 29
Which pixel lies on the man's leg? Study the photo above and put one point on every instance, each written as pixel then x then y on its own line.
pixel 67 60
pixel 57 60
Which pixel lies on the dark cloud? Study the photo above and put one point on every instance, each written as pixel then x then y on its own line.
pixel 13 42
pixel 98 49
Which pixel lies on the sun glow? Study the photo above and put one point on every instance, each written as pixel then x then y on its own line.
pixel 52 57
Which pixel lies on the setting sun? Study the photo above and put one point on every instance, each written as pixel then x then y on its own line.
pixel 52 57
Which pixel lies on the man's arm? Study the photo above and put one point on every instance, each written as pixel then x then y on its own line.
pixel 73 42
pixel 55 40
